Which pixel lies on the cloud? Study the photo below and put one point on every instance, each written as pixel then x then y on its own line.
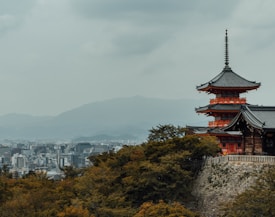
pixel 16 7
pixel 140 27
pixel 13 13
pixel 70 52
pixel 152 10
pixel 7 22
pixel 122 9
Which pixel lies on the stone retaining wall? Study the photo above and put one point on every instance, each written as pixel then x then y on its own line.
pixel 224 177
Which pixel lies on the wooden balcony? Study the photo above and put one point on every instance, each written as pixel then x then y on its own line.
pixel 228 100
pixel 218 123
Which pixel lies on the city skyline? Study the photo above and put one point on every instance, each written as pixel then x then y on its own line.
pixel 58 55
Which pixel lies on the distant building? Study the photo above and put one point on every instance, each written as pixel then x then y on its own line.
pixel 80 147
pixel 5 154
pixel 19 161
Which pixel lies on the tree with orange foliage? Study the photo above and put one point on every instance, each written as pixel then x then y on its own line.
pixel 74 211
pixel 162 209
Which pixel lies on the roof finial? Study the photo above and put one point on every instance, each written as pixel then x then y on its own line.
pixel 226 49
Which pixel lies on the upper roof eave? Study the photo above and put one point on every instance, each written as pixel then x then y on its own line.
pixel 213 88
pixel 228 79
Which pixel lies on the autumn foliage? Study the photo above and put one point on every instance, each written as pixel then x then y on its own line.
pixel 162 209
pixel 151 179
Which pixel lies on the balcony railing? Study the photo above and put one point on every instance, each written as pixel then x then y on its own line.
pixel 218 123
pixel 241 158
pixel 228 100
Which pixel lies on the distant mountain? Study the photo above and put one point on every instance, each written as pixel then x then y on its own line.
pixel 131 117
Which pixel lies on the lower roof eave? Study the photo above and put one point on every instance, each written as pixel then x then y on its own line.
pixel 214 89
pixel 216 111
pixel 224 134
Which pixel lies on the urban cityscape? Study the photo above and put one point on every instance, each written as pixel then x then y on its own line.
pixel 21 158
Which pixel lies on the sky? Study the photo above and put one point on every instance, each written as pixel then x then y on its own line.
pixel 58 55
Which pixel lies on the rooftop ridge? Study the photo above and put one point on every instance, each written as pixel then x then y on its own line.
pixel 253 119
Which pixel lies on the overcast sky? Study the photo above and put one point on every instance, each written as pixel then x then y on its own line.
pixel 56 55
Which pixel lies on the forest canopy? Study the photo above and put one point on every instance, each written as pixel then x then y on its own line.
pixel 156 174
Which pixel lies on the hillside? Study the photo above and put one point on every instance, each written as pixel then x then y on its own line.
pixel 120 118
pixel 166 176
pixel 153 179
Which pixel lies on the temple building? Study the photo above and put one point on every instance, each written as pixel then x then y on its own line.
pixel 227 87
pixel 256 125
pixel 228 105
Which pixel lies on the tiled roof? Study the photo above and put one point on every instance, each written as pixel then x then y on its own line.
pixel 260 117
pixel 198 129
pixel 219 107
pixel 212 131
pixel 228 79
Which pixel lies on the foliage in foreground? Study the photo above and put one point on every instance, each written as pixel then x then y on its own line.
pixel 158 173
pixel 162 209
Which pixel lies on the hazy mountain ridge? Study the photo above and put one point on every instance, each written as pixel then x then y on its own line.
pixel 123 116
pixel 14 119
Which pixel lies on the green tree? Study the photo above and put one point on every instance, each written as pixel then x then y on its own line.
pixel 162 133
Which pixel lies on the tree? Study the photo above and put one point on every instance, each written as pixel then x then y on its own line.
pixel 164 132
pixel 118 183
pixel 4 190
pixel 71 172
pixel 162 209
pixel 73 211
pixel 35 195
pixel 4 171
pixel 160 170
pixel 201 147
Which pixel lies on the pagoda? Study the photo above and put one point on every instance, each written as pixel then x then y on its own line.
pixel 227 87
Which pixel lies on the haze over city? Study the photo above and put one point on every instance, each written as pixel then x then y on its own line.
pixel 58 55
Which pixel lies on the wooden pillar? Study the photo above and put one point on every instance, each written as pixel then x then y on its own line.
pixel 253 141
pixel 243 142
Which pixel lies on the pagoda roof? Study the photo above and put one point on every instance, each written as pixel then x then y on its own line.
pixel 198 129
pixel 220 132
pixel 212 131
pixel 259 117
pixel 219 108
pixel 227 79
